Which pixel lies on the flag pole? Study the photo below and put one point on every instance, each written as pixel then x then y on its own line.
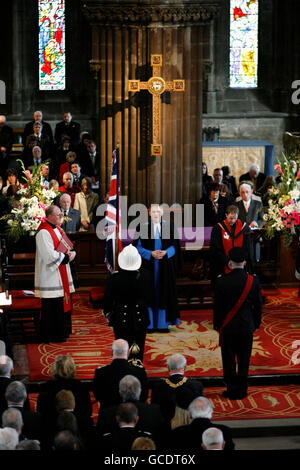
pixel 112 214
pixel 118 214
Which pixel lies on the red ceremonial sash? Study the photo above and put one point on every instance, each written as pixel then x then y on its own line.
pixel 230 240
pixel 236 307
pixel 62 267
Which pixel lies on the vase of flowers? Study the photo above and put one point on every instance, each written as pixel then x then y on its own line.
pixel 283 213
pixel 28 206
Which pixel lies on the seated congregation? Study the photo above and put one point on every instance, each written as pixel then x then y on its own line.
pixel 221 191
pixel 69 162
pixel 72 166
pixel 173 416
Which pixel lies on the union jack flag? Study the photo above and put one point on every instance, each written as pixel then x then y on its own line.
pixel 113 213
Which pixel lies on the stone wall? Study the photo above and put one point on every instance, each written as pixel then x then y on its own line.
pixel 128 34
pixel 267 112
pixel 261 114
pixel 246 127
pixel 19 62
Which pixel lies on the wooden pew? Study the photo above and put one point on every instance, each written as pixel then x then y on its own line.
pixel 22 318
pixel 18 273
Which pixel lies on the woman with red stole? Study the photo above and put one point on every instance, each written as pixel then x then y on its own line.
pixel 229 233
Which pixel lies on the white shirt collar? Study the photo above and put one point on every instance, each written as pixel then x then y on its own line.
pixel 156 226
pixel 247 203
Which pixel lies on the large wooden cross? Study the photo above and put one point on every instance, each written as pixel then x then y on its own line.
pixel 156 85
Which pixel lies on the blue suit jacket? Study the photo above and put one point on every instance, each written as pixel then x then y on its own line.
pixel 72 225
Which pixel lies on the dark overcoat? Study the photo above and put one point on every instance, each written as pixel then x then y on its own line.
pixel 124 300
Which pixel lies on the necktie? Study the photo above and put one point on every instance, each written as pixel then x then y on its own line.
pixel 64 223
pixel 93 156
pixel 215 206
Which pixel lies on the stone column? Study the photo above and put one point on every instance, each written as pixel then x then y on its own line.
pixel 17 88
pixel 128 34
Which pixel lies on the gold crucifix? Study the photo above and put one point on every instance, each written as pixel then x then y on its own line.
pixel 156 85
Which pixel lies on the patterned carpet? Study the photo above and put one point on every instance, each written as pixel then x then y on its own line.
pixel 262 403
pixel 91 340
pixel 272 347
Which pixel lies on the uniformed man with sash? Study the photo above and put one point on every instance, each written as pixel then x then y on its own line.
pixel 237 314
pixel 53 279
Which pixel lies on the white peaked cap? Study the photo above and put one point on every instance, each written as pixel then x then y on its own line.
pixel 129 259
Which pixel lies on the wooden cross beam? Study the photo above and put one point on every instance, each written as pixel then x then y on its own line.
pixel 156 85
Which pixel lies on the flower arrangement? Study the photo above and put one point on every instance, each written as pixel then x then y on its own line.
pixel 28 208
pixel 283 213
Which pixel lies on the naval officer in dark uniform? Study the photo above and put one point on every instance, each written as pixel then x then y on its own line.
pixel 237 314
pixel 124 300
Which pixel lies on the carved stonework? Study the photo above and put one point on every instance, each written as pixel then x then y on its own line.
pixel 95 67
pixel 137 15
pixel 207 68
pixel 160 151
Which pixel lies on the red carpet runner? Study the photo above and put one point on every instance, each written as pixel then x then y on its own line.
pixel 261 403
pixel 91 340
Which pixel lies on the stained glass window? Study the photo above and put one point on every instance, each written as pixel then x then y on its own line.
pixel 52 59
pixel 243 43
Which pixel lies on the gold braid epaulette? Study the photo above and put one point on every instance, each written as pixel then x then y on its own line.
pixel 176 385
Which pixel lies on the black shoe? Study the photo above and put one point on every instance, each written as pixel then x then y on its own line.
pixel 163 330
pixel 241 394
pixel 234 395
pixel 238 396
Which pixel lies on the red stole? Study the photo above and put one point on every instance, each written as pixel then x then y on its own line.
pixel 62 267
pixel 237 306
pixel 230 239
